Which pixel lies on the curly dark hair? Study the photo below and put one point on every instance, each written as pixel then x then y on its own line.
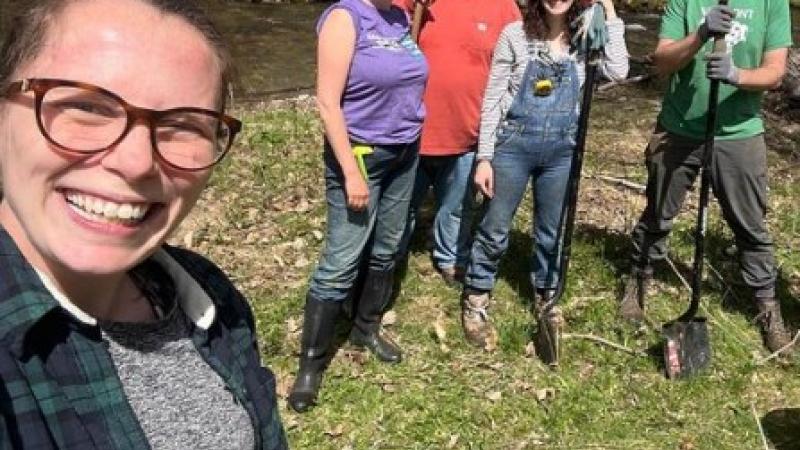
pixel 535 24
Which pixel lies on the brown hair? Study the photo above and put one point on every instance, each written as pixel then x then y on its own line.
pixel 29 29
pixel 535 23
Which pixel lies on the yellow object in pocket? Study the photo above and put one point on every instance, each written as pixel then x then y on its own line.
pixel 543 87
pixel 359 150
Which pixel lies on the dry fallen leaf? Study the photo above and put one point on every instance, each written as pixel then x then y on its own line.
pixel 494 395
pixel 390 318
pixel 289 421
pixel 491 340
pixel 586 371
pixel 453 441
pixel 438 329
pixel 301 262
pixel 336 431
pixel 530 350
pixel 283 386
pixel 686 444
pixel 292 325
pixel 544 394
pixel 358 357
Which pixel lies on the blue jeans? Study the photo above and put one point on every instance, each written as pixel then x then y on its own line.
pixel 450 177
pixel 391 170
pixel 536 140
pixel 548 164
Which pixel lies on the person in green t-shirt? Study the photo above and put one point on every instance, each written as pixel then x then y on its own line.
pixel 757 34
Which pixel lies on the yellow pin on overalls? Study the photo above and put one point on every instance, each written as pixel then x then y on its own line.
pixel 543 87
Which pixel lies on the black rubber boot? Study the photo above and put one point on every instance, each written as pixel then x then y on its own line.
pixel 319 327
pixel 367 323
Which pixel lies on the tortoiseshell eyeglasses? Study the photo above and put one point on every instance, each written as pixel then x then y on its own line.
pixel 83 118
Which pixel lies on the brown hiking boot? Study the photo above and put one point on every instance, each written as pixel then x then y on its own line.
pixel 475 320
pixel 770 321
pixel 631 306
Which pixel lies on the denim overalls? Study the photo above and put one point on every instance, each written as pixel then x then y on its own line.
pixel 536 140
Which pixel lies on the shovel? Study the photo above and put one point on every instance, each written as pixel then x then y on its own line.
pixel 687 350
pixel 547 337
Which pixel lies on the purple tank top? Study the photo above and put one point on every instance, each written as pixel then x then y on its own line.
pixel 382 100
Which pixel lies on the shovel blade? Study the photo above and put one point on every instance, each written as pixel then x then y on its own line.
pixel 548 339
pixel 687 350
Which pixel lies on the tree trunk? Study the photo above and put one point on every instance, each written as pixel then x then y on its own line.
pixel 790 87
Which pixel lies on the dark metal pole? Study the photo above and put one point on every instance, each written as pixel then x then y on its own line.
pixel 571 202
pixel 705 188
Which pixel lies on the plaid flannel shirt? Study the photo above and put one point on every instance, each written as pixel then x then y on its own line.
pixel 59 384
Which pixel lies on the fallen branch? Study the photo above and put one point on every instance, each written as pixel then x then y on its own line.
pixel 678 273
pixel 778 352
pixel 760 428
pixel 640 188
pixel 599 340
pixel 631 80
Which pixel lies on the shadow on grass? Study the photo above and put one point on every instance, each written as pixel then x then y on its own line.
pixel 782 428
pixel 726 281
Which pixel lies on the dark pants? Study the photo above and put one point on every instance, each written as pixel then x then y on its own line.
pixel 739 181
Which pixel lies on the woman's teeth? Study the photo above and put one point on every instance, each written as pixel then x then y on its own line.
pixel 97 209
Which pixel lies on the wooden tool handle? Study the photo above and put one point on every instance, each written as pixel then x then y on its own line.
pixel 416 22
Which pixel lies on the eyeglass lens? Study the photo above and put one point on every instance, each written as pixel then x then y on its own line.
pixel 84 120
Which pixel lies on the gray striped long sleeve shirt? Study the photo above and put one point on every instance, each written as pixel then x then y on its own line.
pixel 511 56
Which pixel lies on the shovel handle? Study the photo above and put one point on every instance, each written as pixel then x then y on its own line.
pixel 705 187
pixel 416 22
pixel 569 209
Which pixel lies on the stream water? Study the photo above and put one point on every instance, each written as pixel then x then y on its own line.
pixel 274 43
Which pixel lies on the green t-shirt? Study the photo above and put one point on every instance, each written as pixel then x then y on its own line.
pixel 759 26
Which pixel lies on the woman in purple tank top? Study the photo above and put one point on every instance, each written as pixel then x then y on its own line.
pixel 370 81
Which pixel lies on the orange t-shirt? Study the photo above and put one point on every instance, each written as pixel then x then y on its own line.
pixel 458 38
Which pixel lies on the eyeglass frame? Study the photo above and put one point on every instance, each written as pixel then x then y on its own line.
pixel 133 114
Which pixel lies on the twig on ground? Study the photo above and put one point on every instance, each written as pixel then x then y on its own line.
pixel 778 352
pixel 760 428
pixel 599 340
pixel 631 80
pixel 640 188
pixel 678 273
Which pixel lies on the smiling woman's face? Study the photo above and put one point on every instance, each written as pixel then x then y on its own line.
pixel 557 7
pixel 102 214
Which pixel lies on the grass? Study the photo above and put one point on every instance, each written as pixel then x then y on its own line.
pixel 262 220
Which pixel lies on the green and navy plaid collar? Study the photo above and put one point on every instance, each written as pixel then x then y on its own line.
pixel 27 296
pixel 24 300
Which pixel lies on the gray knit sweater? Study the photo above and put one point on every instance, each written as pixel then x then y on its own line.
pixel 511 56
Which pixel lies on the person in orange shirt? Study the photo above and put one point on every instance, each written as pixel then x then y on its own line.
pixel 457 38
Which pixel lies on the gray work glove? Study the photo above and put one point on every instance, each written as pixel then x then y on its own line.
pixel 718 21
pixel 720 67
